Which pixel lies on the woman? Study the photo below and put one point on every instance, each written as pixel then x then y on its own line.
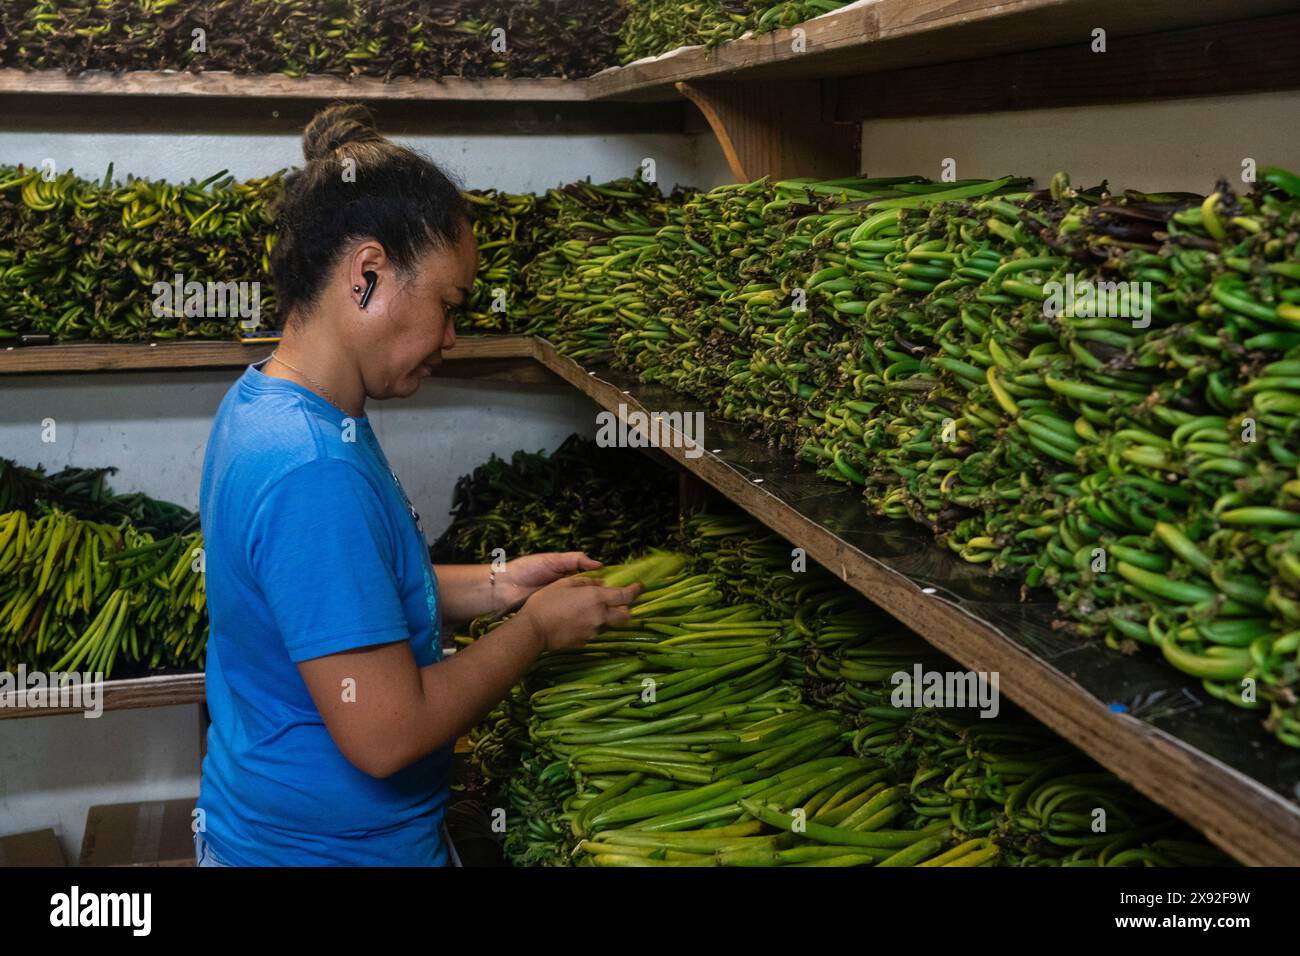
pixel 333 714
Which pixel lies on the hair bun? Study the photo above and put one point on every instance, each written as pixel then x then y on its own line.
pixel 337 126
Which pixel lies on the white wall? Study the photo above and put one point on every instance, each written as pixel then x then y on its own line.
pixel 512 163
pixel 54 769
pixel 1171 145
pixel 153 427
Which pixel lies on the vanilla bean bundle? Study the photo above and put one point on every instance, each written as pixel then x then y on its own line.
pixel 386 38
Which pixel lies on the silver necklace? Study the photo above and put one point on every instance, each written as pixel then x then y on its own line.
pixel 328 394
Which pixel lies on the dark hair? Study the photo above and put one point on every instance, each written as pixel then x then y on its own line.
pixel 396 197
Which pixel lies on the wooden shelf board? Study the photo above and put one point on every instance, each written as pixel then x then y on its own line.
pixel 277 87
pixel 875 35
pixel 1246 818
pixel 162 691
pixel 1256 55
pixel 169 356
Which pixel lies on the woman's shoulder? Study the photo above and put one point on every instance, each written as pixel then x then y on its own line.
pixel 261 435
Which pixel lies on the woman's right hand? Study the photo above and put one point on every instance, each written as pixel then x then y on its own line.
pixel 568 613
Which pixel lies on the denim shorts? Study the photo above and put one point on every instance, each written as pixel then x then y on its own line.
pixel 204 855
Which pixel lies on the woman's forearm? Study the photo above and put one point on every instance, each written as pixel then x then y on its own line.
pixel 466 590
pixel 384 713
pixel 462 689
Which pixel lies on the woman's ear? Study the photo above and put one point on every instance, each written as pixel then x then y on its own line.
pixel 366 270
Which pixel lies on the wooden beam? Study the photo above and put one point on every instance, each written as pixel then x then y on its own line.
pixel 692 494
pixel 165 690
pixel 1239 57
pixel 275 86
pixel 173 356
pixel 172 115
pixel 513 371
pixel 776 129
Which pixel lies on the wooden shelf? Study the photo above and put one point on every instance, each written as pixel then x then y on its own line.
pixel 867 37
pixel 464 360
pixel 278 87
pixel 1150 726
pixel 1245 56
pixel 163 691
pixel 777 108
pixel 871 36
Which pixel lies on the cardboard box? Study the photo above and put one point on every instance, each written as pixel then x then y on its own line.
pixel 153 833
pixel 38 848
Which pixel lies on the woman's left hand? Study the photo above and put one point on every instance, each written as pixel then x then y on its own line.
pixel 525 575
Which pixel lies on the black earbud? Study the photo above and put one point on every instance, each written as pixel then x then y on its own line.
pixel 371 278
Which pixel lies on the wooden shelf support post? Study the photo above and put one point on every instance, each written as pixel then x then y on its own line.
pixel 780 129
pixel 693 494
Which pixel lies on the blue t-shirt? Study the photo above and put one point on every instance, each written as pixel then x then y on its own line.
pixel 312 548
